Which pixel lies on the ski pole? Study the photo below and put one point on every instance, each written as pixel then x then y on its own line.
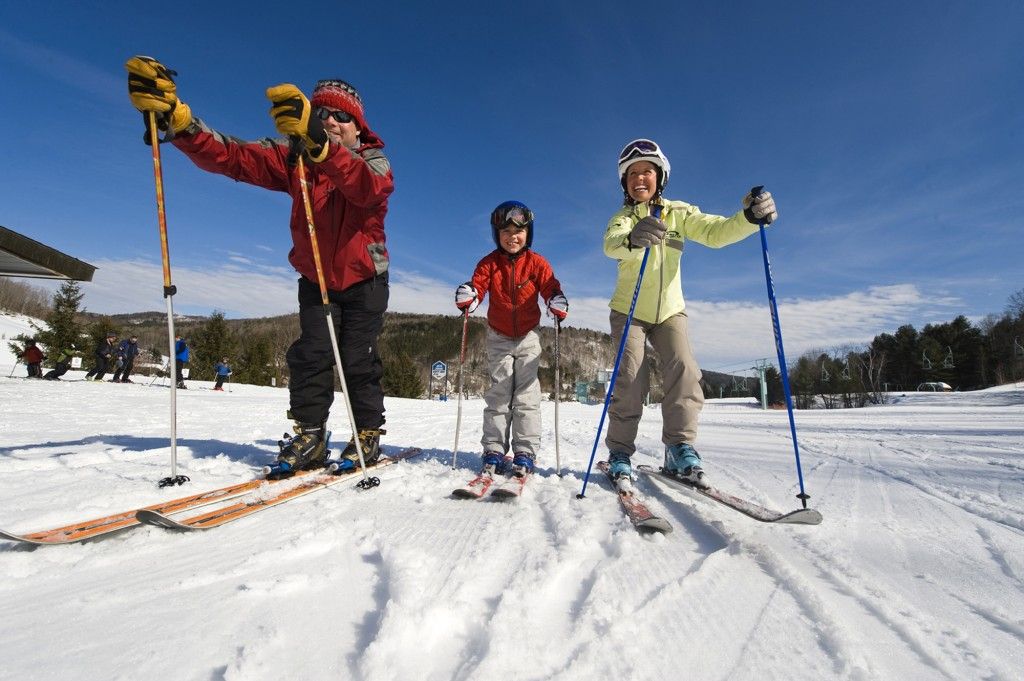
pixel 16 363
pixel 169 291
pixel 367 482
pixel 558 389
pixel 783 368
pixel 462 360
pixel 656 211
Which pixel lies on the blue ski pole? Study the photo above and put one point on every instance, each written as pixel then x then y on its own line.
pixel 656 210
pixel 783 369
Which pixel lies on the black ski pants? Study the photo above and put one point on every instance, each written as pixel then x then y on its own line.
pixel 99 369
pixel 358 314
pixel 57 371
pixel 125 370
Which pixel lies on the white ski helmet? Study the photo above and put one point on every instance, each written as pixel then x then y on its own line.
pixel 644 150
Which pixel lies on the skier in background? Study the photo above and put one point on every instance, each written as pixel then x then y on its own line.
pixel 104 353
pixel 33 358
pixel 513 275
pixel 181 357
pixel 63 363
pixel 223 369
pixel 660 315
pixel 127 351
pixel 350 181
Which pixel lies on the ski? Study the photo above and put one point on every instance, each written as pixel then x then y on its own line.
pixel 802 516
pixel 247 507
pixel 96 527
pixel 475 488
pixel 637 512
pixel 510 488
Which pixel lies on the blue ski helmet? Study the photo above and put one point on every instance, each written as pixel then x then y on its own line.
pixel 512 213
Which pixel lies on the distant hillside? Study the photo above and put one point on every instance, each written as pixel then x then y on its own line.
pixel 425 339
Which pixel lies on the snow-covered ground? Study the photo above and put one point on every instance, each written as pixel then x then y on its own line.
pixel 916 573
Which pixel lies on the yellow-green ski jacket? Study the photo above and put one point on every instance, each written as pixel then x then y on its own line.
pixel 661 294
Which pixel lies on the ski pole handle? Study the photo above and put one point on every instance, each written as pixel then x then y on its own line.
pixel 295 148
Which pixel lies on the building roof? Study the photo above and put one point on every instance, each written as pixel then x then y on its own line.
pixel 24 257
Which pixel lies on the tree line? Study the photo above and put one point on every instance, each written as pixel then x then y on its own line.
pixel 962 354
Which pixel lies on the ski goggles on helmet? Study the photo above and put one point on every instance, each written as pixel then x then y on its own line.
pixel 511 213
pixel 340 116
pixel 519 217
pixel 639 149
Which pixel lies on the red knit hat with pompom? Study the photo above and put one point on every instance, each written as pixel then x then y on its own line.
pixel 338 94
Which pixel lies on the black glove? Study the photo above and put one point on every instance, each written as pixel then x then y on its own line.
pixel 650 231
pixel 759 207
pixel 291 111
pixel 151 88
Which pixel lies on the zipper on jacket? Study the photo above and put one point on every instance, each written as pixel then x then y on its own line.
pixel 513 296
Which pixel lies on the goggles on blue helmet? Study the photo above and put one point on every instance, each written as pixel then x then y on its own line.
pixel 511 212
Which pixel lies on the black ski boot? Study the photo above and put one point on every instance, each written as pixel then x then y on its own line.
pixel 307 448
pixel 369 441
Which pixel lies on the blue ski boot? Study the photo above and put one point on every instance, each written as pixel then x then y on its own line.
pixel 683 462
pixel 522 464
pixel 619 466
pixel 491 463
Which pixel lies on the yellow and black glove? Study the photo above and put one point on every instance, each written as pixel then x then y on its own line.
pixel 151 88
pixel 293 118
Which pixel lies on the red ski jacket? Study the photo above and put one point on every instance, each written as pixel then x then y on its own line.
pixel 514 281
pixel 349 195
pixel 32 355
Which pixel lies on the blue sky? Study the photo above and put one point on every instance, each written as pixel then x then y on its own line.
pixel 890 137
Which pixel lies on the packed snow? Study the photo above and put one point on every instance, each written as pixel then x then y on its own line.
pixel 917 571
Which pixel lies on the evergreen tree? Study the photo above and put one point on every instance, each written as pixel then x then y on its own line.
pixel 63 331
pixel 209 344
pixel 401 376
pixel 255 364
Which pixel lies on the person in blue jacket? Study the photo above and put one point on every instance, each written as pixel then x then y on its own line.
pixel 223 369
pixel 181 355
pixel 127 351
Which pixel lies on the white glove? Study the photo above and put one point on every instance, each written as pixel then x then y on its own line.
pixel 558 306
pixel 759 207
pixel 466 297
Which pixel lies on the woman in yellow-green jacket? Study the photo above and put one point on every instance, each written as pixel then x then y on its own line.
pixel 660 315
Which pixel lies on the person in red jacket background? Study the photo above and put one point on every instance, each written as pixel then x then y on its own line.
pixel 513 275
pixel 33 358
pixel 350 181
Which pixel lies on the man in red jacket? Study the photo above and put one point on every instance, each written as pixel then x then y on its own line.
pixel 349 183
pixel 514 276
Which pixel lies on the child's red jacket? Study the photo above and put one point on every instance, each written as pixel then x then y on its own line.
pixel 513 282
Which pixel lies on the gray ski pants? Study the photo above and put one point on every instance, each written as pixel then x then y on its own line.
pixel 680 377
pixel 512 414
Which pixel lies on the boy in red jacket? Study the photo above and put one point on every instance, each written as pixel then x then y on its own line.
pixel 514 276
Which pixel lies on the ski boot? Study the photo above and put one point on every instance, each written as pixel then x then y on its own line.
pixel 683 461
pixel 522 464
pixel 621 471
pixel 492 463
pixel 369 442
pixel 307 449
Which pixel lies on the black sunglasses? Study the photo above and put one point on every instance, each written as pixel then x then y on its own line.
pixel 340 116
